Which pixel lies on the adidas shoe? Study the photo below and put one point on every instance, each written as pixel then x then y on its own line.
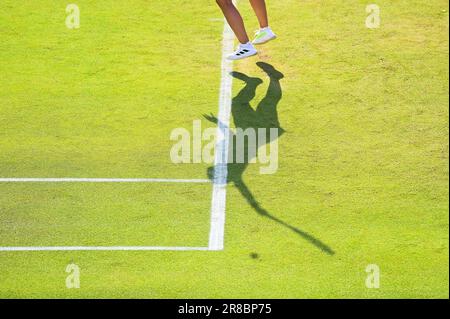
pixel 243 51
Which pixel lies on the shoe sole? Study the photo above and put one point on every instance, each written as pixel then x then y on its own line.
pixel 268 40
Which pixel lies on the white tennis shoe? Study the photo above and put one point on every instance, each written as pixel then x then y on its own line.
pixel 243 51
pixel 263 36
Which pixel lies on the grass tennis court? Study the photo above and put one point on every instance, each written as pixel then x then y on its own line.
pixel 363 158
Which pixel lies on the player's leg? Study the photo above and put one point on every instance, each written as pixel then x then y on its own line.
pixel 259 6
pixel 234 19
pixel 236 23
pixel 265 33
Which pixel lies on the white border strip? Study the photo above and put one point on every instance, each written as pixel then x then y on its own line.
pixel 217 231
pixel 103 248
pixel 101 180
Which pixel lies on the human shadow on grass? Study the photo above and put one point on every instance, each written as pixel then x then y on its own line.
pixel 265 116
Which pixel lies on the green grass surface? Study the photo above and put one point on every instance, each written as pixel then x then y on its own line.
pixel 363 166
pixel 104 215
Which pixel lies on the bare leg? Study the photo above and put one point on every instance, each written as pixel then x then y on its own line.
pixel 234 19
pixel 259 6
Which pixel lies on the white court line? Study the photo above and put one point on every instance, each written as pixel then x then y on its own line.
pixel 101 180
pixel 218 205
pixel 103 248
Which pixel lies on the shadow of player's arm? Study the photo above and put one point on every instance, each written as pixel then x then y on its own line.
pixel 243 189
